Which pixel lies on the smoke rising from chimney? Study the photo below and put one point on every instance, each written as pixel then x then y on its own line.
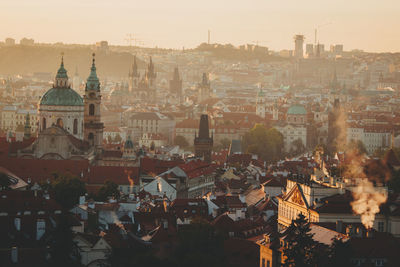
pixel 367 198
pixel 367 201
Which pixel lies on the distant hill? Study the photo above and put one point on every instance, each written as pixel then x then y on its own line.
pixel 30 59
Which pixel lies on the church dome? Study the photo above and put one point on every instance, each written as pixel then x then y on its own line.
pixel 61 94
pixel 61 97
pixel 297 110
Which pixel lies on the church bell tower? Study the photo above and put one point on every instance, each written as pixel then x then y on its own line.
pixel 203 143
pixel 93 127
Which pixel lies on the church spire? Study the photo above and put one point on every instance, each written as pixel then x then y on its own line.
pixel 61 77
pixel 135 68
pixel 205 81
pixel 93 81
pixel 93 127
pixel 151 74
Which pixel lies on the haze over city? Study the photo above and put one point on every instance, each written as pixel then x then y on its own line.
pixel 199 133
pixel 359 24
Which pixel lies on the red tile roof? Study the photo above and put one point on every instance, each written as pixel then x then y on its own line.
pixel 157 166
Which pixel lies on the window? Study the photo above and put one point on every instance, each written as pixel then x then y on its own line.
pixel 381 226
pixel 91 110
pixel 44 124
pixel 268 263
pixel 263 263
pixel 75 126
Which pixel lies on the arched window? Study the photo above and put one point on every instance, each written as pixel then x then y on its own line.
pixel 44 124
pixel 75 126
pixel 91 109
pixel 60 123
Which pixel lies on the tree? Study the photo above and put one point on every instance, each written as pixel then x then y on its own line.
pixel 300 247
pixel 181 141
pixel 4 182
pixel 266 143
pixel 225 142
pixel 109 189
pixel 135 255
pixel 67 190
pixel 340 253
pixel 394 181
pixel 61 245
pixel 198 245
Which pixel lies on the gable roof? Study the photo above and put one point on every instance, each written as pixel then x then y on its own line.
pixel 296 195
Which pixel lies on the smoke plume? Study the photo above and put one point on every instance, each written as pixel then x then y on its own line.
pixel 367 198
pixel 367 201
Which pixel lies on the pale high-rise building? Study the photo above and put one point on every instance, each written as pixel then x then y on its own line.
pixel 298 46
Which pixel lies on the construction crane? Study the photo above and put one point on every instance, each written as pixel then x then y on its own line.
pixel 131 38
pixel 257 42
pixel 316 31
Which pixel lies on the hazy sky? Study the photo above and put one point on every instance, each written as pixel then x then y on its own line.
pixel 372 25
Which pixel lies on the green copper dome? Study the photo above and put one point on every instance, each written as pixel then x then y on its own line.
pixel 297 110
pixel 61 94
pixel 61 97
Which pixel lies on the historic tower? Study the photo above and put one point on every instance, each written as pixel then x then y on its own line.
pixel 151 73
pixel 93 127
pixel 175 85
pixel 134 75
pixel 260 105
pixel 203 143
pixel 204 88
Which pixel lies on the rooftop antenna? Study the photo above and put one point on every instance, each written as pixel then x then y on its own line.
pixel 209 36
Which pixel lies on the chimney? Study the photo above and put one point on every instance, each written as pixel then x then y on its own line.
pixel 14 254
pixel 17 223
pixel 339 226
